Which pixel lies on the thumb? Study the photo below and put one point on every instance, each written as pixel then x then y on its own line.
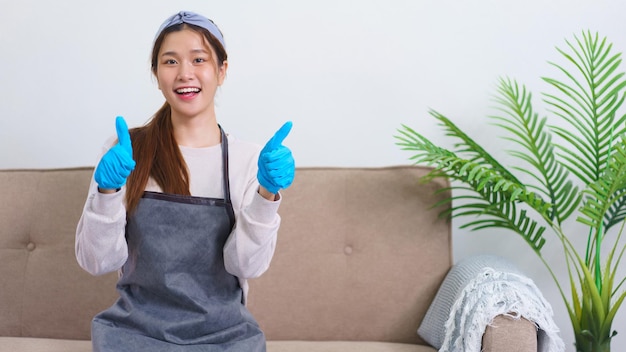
pixel 279 136
pixel 123 136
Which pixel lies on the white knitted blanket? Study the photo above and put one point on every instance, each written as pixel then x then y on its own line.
pixel 492 293
pixel 475 291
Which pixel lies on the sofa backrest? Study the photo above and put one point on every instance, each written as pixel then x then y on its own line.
pixel 360 255
pixel 43 291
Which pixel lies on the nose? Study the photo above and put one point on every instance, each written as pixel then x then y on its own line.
pixel 185 72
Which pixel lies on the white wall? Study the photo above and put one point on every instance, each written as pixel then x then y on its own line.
pixel 347 73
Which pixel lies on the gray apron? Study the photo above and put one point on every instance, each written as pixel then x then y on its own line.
pixel 175 294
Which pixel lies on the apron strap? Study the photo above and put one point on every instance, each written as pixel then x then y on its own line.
pixel 226 178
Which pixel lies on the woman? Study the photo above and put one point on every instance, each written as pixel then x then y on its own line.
pixel 186 213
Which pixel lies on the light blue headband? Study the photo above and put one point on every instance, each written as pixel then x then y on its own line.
pixel 195 19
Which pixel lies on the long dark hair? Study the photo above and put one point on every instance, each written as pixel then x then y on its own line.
pixel 154 147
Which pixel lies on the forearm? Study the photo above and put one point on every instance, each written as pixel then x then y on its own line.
pixel 100 241
pixel 250 247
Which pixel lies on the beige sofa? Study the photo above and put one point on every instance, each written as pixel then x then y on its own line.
pixel 360 257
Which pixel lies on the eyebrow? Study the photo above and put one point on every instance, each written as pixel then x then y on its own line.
pixel 194 51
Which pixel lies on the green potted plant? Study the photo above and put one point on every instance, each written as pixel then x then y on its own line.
pixel 580 177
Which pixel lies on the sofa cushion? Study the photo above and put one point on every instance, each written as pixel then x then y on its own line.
pixel 13 344
pixel 46 293
pixel 360 255
pixel 343 346
pixel 31 344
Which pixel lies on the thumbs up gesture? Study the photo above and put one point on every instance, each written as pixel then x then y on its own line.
pixel 117 163
pixel 276 164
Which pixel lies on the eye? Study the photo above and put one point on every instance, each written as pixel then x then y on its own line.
pixel 169 62
pixel 199 60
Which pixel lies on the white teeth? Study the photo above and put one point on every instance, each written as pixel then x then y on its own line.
pixel 187 90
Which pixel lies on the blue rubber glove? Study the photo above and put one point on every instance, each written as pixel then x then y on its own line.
pixel 117 163
pixel 276 165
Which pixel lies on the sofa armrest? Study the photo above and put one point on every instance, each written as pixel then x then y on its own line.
pixel 476 291
pixel 510 334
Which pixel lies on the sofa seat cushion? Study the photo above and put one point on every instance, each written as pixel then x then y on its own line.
pixel 344 346
pixel 19 344
pixel 31 344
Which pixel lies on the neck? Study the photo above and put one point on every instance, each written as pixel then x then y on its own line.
pixel 196 132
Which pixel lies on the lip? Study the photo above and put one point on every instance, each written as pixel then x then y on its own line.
pixel 187 96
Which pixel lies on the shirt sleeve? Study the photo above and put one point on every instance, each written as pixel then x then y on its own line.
pixel 100 234
pixel 250 247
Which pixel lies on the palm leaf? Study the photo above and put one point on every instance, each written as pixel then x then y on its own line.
pixel 468 146
pixel 529 133
pixel 493 209
pixel 496 195
pixel 606 192
pixel 480 176
pixel 616 213
pixel 589 104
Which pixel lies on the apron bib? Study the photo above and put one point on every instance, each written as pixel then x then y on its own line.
pixel 175 294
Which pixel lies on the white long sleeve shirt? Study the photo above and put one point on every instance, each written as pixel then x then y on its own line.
pixel 100 235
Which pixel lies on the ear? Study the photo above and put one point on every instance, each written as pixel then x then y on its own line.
pixel 221 73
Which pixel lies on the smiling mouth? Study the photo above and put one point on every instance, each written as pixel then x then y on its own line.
pixel 187 90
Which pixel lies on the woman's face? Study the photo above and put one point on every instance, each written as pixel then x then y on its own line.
pixel 187 73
